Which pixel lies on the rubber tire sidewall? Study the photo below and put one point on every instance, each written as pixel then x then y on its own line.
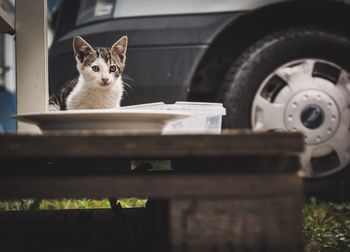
pixel 250 70
pixel 264 57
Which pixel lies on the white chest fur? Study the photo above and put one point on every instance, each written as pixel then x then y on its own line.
pixel 85 96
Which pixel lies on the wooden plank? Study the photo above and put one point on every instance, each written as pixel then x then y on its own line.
pixel 74 230
pixel 248 164
pixel 149 146
pixel 153 185
pixel 7 25
pixel 31 59
pixel 238 164
pixel 238 224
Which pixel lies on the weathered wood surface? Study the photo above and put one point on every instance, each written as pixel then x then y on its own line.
pixel 232 192
pixel 74 231
pixel 149 146
pixel 96 165
pixel 247 164
pixel 156 186
pixel 238 224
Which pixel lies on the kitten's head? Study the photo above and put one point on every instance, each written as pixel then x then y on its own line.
pixel 100 67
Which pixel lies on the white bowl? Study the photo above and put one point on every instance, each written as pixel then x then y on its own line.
pixel 102 119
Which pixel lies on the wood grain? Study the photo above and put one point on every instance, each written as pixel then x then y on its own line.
pixel 237 191
pixel 156 186
pixel 240 224
pixel 247 164
pixel 149 146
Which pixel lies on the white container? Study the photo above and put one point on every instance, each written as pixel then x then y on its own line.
pixel 205 117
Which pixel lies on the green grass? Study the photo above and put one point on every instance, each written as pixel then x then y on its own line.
pixel 30 204
pixel 326 225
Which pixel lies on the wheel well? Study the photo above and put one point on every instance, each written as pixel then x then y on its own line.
pixel 250 27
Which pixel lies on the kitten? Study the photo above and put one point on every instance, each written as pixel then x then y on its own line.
pixel 99 85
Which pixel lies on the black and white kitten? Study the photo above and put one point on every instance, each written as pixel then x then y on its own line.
pixel 99 85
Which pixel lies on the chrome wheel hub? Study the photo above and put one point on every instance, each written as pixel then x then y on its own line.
pixel 310 96
pixel 314 113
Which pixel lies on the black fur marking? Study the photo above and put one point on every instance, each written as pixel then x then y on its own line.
pixel 83 52
pixel 61 98
pixel 88 59
pixel 103 53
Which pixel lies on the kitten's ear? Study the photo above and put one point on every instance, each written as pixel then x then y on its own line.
pixel 81 48
pixel 119 48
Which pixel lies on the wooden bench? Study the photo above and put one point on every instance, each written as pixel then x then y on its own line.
pixel 237 191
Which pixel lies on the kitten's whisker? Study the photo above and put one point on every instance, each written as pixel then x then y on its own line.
pixel 126 77
pixel 125 94
pixel 127 85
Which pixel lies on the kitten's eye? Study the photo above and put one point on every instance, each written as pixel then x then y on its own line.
pixel 95 68
pixel 112 68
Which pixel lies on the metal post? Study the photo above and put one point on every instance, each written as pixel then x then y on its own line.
pixel 31 58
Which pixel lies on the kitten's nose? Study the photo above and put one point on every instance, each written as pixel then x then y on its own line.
pixel 105 80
